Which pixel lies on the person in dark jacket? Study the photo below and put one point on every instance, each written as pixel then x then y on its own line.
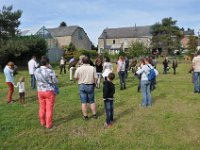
pixel 99 70
pixel 174 65
pixel 108 92
pixel 165 65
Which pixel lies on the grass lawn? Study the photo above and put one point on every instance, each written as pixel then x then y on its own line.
pixel 173 121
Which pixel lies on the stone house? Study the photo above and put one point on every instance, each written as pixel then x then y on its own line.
pixel 71 34
pixel 186 34
pixel 115 39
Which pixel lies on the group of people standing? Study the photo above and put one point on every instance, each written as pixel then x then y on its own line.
pixel 89 76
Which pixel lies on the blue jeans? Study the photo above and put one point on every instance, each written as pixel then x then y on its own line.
pixel 122 77
pixel 86 93
pixel 99 74
pixel 32 81
pixel 109 110
pixel 196 82
pixel 146 93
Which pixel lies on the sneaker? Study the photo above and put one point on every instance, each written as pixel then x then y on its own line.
pixel 106 126
pixel 95 116
pixel 85 117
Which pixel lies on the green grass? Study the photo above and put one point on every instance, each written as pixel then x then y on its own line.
pixel 173 121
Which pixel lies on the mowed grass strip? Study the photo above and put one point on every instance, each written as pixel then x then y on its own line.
pixel 171 123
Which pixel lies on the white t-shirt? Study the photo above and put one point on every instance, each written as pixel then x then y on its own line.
pixel 21 87
pixel 32 65
pixel 196 63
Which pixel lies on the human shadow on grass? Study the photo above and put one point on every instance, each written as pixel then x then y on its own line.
pixel 31 98
pixel 123 113
pixel 73 115
pixel 159 97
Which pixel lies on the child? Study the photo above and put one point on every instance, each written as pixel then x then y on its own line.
pixel 21 86
pixel 108 92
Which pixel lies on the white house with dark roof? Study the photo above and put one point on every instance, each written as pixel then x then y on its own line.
pixel 121 38
pixel 71 34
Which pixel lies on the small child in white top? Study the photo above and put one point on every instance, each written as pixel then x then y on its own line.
pixel 21 86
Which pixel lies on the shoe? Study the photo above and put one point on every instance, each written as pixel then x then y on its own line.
pixel 95 116
pixel 124 87
pixel 85 117
pixel 106 126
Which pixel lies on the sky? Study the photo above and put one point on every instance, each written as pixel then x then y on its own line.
pixel 96 15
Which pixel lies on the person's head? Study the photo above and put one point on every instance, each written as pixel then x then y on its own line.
pixel 33 57
pixel 121 58
pixel 198 52
pixel 44 61
pixel 147 60
pixel 11 64
pixel 111 76
pixel 86 60
pixel 21 79
pixel 98 61
pixel 142 61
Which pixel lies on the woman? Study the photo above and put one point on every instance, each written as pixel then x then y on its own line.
pixel 107 68
pixel 145 83
pixel 45 77
pixel 121 70
pixel 8 72
pixel 99 69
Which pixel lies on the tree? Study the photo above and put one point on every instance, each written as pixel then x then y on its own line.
pixel 9 22
pixel 166 35
pixel 63 24
pixel 137 49
pixel 192 43
pixel 20 49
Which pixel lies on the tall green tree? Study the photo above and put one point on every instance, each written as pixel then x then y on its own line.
pixel 192 43
pixel 137 49
pixel 63 24
pixel 9 22
pixel 166 35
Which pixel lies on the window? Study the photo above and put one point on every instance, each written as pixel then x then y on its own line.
pixel 80 35
pixel 113 41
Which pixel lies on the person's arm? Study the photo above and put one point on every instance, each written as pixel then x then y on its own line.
pixel 16 85
pixel 140 71
pixel 76 75
pixel 54 78
pixel 95 76
pixel 105 90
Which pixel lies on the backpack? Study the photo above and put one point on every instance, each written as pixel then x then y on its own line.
pixel 152 75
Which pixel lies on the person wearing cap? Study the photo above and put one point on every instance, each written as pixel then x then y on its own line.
pixel 8 72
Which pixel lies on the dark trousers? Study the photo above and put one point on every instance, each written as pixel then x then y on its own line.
pixel 61 68
pixel 109 110
pixel 22 97
pixel 165 70
pixel 32 81
pixel 122 75
pixel 174 70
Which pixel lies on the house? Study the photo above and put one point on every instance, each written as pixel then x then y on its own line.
pixel 115 39
pixel 71 34
pixel 42 32
pixel 186 34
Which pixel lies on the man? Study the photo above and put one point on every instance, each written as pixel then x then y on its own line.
pixel 196 68
pixel 72 68
pixel 62 65
pixel 87 77
pixel 32 65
